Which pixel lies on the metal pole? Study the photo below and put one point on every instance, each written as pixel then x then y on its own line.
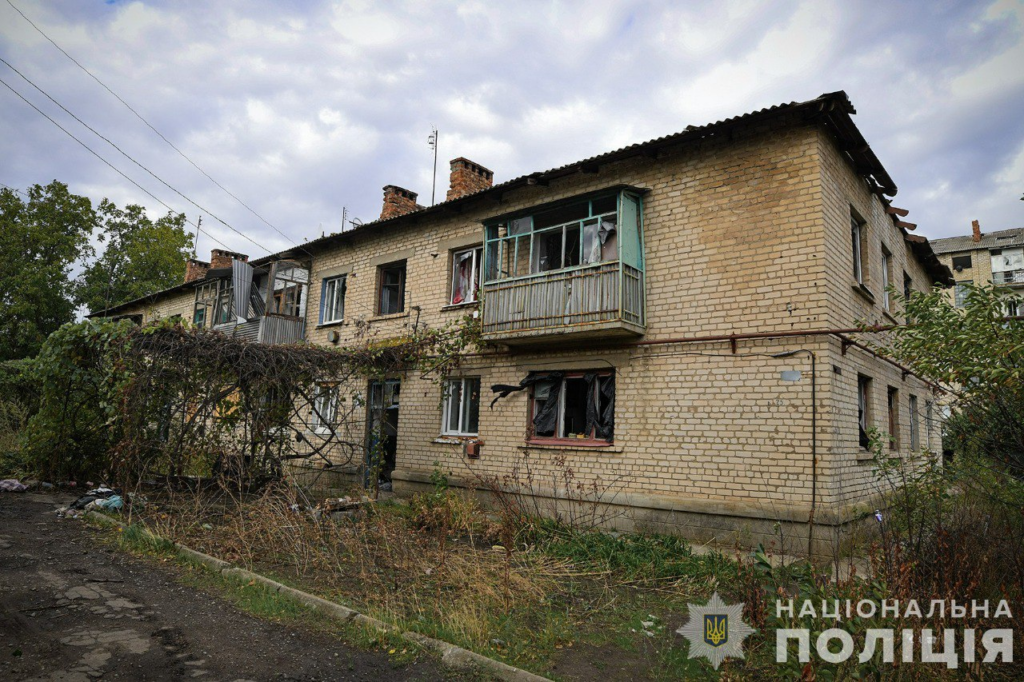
pixel 814 452
pixel 433 186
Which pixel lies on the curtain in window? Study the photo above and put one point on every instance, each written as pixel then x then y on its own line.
pixel 600 405
pixel 462 282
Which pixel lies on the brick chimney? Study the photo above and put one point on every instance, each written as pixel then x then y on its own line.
pixel 398 201
pixel 977 230
pixel 468 178
pixel 219 258
pixel 195 269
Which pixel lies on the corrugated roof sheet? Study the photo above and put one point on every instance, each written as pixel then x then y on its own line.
pixel 989 240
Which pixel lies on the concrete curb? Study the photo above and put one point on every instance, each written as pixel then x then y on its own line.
pixel 451 656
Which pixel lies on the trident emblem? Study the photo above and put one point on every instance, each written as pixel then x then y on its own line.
pixel 716 629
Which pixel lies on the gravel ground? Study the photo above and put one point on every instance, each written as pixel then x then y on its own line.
pixel 73 608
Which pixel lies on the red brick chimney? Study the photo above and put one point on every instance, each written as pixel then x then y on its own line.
pixel 977 230
pixel 219 258
pixel 398 201
pixel 195 269
pixel 468 178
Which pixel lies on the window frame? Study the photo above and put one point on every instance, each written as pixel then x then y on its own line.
pixel 591 440
pixel 207 296
pixel 960 293
pixel 475 278
pixel 858 236
pixel 892 405
pixel 325 285
pixel 914 432
pixel 446 413
pixel 402 267
pixel 864 409
pixel 886 279
pixel 321 423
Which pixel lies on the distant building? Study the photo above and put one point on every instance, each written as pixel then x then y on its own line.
pixel 983 258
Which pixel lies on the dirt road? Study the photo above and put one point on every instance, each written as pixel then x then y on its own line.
pixel 74 609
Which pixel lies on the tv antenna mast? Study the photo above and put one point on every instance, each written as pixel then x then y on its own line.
pixel 432 141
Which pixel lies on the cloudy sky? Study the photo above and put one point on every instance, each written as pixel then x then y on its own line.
pixel 302 109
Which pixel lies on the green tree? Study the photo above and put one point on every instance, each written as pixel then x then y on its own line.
pixel 141 256
pixel 41 239
pixel 975 352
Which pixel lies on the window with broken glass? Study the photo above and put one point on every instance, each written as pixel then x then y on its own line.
pixel 391 288
pixel 573 406
pixel 325 409
pixel 461 414
pixel 288 295
pixel 466 275
pixel 580 233
pixel 206 302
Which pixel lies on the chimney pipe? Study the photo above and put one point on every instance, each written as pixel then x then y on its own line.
pixel 398 201
pixel 977 230
pixel 195 269
pixel 468 178
pixel 219 258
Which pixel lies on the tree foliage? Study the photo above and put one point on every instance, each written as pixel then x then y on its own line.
pixel 41 239
pixel 976 353
pixel 141 256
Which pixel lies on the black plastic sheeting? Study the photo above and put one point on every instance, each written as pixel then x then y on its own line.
pixel 600 406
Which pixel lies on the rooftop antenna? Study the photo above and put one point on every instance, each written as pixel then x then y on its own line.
pixel 344 217
pixel 195 244
pixel 432 141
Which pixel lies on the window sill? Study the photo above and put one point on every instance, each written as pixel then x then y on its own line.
pixel 889 316
pixel 571 444
pixel 392 316
pixel 335 323
pixel 460 306
pixel 864 292
pixel 864 455
pixel 454 440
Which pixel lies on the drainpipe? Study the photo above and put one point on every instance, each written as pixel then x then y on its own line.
pixel 814 440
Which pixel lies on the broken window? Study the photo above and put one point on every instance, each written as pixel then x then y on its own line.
pixel 461 407
pixel 332 300
pixel 962 262
pixel 893 398
pixel 466 275
pixel 857 234
pixel 206 302
pixel 579 233
pixel 288 293
pixel 391 288
pixel 325 408
pixel 914 437
pixel 863 409
pixel 886 278
pixel 576 406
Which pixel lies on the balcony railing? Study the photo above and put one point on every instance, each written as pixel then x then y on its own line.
pixel 1008 277
pixel 605 299
pixel 270 329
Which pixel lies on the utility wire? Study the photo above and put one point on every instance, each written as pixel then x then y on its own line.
pixel 129 157
pixel 13 189
pixel 148 124
pixel 94 153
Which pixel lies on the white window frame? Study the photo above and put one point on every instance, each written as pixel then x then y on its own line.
pixel 330 301
pixel 857 232
pixel 324 415
pixel 446 413
pixel 477 254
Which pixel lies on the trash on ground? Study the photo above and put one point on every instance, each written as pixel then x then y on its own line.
pixel 11 485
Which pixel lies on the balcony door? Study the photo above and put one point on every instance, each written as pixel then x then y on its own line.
pixel 382 431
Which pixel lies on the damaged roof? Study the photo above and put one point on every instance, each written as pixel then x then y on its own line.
pixel 832 111
pixel 1003 239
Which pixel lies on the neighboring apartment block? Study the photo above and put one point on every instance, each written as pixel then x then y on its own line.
pixel 652 315
pixel 985 258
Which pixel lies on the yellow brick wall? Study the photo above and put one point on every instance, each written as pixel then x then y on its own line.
pixel 979 273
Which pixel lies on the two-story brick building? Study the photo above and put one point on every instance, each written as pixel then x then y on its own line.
pixel 674 318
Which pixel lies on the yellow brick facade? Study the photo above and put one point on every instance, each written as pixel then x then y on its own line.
pixel 746 235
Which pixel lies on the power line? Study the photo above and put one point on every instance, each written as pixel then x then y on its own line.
pixel 118 171
pixel 129 157
pixel 148 124
pixel 13 189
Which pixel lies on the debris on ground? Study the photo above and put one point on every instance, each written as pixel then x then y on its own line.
pixel 11 485
pixel 101 497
